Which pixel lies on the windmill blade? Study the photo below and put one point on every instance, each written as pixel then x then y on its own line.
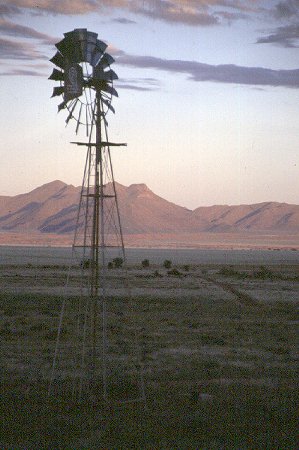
pixel 80 36
pixel 99 74
pixel 56 75
pixel 91 45
pixel 110 75
pixel 108 104
pixel 98 52
pixel 106 61
pixel 64 46
pixel 109 89
pixel 69 48
pixel 62 106
pixel 78 120
pixel 58 60
pixel 69 34
pixel 102 115
pixel 71 111
pixel 58 91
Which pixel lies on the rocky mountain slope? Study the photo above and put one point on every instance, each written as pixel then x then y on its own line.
pixel 52 208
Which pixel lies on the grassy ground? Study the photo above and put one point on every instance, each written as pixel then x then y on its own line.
pixel 218 353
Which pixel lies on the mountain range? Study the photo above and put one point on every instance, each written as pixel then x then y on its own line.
pixel 51 208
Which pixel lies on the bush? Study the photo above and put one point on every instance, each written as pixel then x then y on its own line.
pixel 85 263
pixel 118 262
pixel 228 271
pixel 157 274
pixel 174 272
pixel 186 267
pixel 145 263
pixel 264 273
pixel 167 264
pixel 231 272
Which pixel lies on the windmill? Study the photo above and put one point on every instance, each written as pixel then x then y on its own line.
pixel 86 86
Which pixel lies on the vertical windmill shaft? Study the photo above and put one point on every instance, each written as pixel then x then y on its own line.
pixel 98 232
pixel 98 204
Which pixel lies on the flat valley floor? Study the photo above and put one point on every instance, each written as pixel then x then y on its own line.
pixel 217 356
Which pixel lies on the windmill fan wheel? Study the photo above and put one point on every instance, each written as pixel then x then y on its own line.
pixel 84 77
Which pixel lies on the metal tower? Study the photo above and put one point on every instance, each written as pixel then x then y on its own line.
pixel 86 84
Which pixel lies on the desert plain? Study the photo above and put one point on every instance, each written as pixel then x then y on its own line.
pixel 217 338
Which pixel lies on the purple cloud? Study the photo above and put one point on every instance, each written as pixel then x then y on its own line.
pixel 287 36
pixel 74 7
pixel 174 12
pixel 224 73
pixel 18 50
pixel 189 12
pixel 22 72
pixel 9 10
pixel 16 30
pixel 124 21
pixel 138 84
pixel 286 9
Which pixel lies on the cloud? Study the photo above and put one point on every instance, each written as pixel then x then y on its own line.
pixel 197 12
pixel 16 30
pixel 73 7
pixel 224 73
pixel 286 9
pixel 9 10
pixel 133 87
pixel 174 11
pixel 124 21
pixel 189 12
pixel 138 84
pixel 67 7
pixel 231 16
pixel 22 72
pixel 19 50
pixel 287 36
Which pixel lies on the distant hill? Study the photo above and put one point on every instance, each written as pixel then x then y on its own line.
pixel 51 208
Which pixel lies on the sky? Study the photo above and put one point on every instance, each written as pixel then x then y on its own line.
pixel 208 97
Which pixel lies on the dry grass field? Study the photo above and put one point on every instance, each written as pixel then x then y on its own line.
pixel 218 348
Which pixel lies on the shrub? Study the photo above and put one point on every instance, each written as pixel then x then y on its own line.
pixel 174 272
pixel 186 267
pixel 110 265
pixel 157 274
pixel 228 271
pixel 118 262
pixel 167 264
pixel 264 273
pixel 85 263
pixel 231 272
pixel 145 263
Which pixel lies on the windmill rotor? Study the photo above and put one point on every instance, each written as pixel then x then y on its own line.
pixel 83 72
